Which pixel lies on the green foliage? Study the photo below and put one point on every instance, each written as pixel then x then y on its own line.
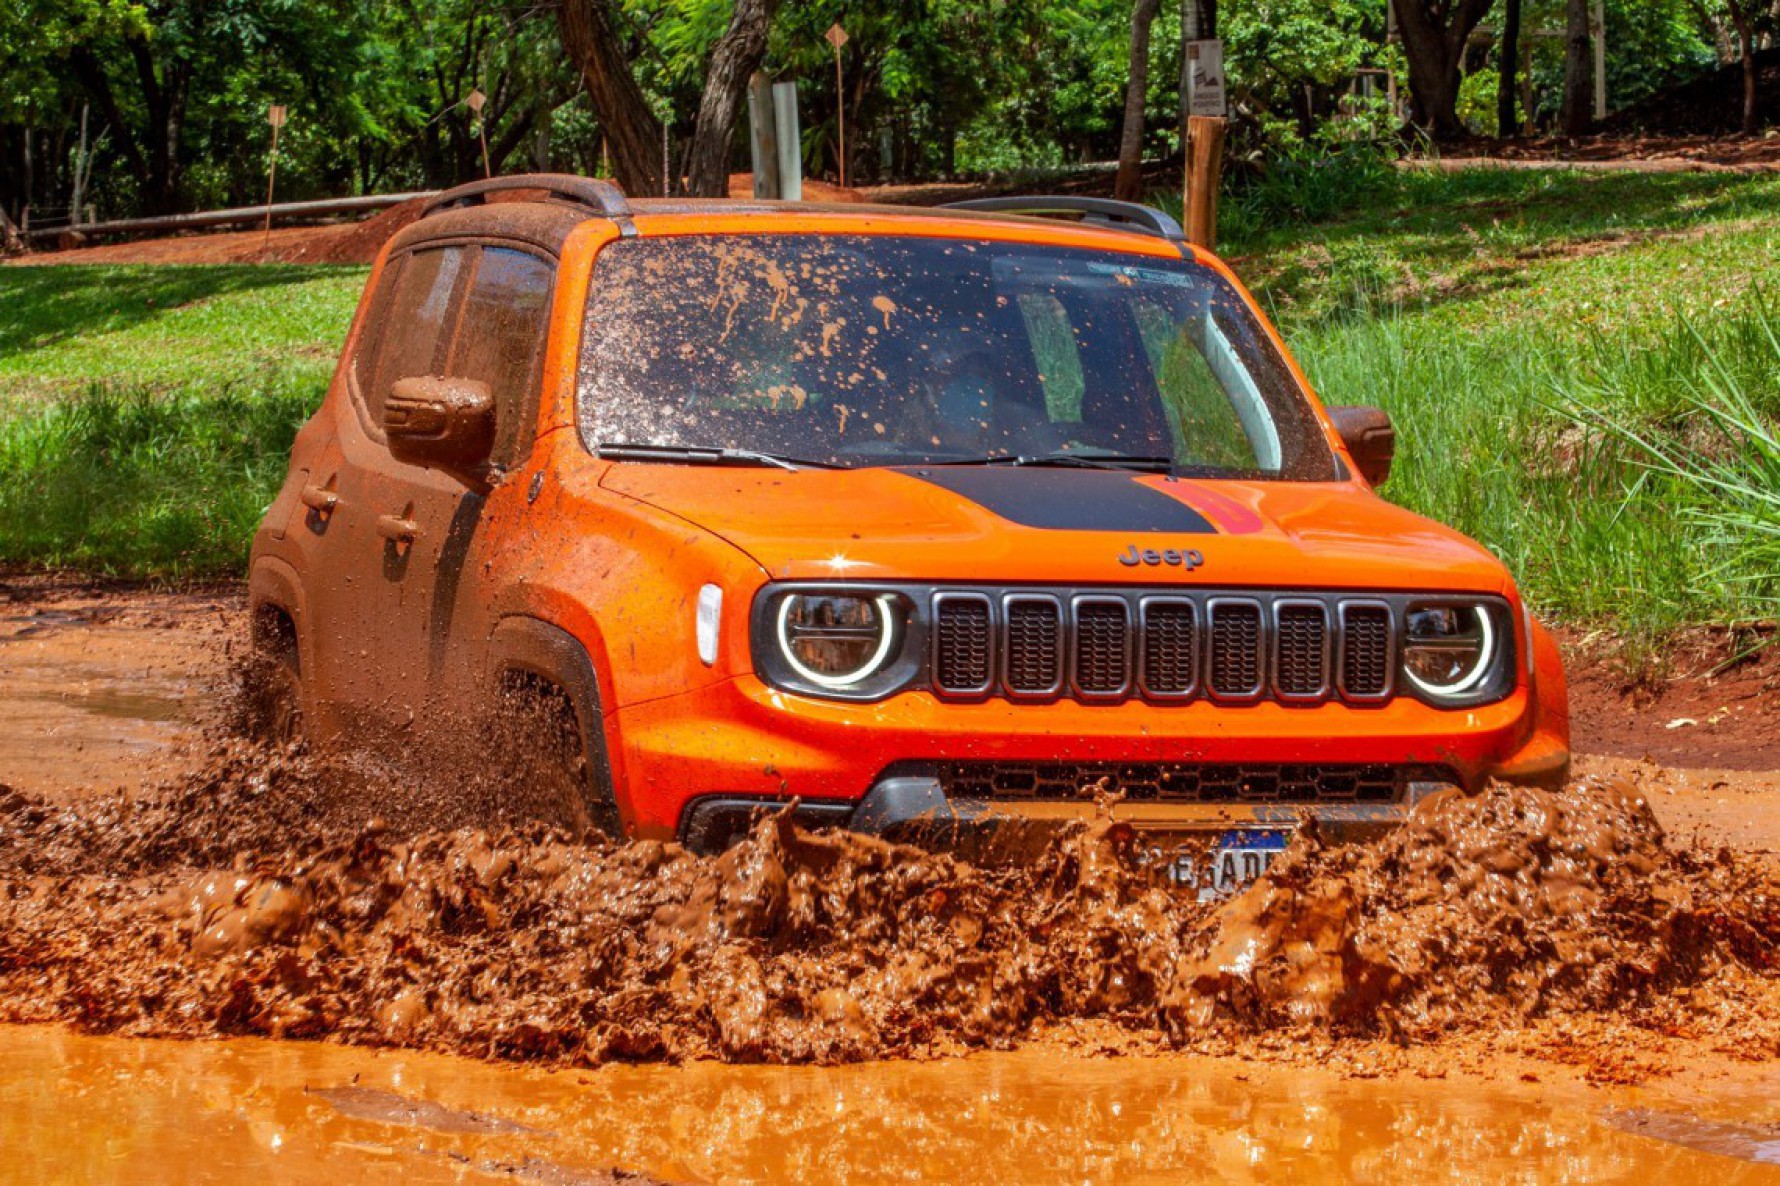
pixel 131 481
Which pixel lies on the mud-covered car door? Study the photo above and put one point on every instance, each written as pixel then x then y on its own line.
pixel 354 583
pixel 497 340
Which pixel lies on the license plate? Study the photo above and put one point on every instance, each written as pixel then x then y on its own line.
pixel 1220 868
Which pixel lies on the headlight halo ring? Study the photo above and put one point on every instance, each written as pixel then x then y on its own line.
pixel 885 604
pixel 1482 668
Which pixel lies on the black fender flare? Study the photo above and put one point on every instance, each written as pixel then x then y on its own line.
pixel 531 646
pixel 273 583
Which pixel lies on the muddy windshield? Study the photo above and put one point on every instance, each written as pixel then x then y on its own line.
pixel 867 350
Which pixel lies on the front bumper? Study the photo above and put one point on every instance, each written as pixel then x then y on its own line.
pixel 744 742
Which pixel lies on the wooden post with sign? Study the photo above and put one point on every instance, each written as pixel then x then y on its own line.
pixel 275 116
pixel 837 37
pixel 475 101
pixel 1204 141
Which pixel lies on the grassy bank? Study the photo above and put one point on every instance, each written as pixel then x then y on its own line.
pixel 1551 346
pixel 137 481
pixel 147 413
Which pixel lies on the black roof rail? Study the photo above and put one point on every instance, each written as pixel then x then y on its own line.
pixel 600 196
pixel 1124 216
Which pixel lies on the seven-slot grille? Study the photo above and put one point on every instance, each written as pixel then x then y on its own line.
pixel 1168 647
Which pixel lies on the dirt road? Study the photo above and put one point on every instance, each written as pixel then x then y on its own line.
pixel 1605 1020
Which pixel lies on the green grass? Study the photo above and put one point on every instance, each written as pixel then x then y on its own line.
pixel 147 413
pixel 63 329
pixel 136 481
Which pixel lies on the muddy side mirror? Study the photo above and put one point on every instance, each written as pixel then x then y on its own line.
pixel 440 423
pixel 1370 440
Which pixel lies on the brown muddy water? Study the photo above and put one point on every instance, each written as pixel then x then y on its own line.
pixel 1515 986
pixel 76 1108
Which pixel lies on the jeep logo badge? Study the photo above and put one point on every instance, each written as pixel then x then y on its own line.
pixel 1187 558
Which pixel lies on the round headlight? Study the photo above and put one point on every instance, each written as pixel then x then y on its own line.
pixel 836 640
pixel 1450 649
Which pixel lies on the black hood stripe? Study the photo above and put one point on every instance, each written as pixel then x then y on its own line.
pixel 1067 499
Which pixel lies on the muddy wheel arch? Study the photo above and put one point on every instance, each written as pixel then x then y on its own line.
pixel 522 647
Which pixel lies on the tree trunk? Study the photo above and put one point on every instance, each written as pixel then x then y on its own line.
pixel 633 134
pixel 1746 47
pixel 1128 185
pixel 735 57
pixel 1579 97
pixel 1434 36
pixel 1508 70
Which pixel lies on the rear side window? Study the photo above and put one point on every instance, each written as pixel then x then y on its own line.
pixel 416 322
pixel 500 336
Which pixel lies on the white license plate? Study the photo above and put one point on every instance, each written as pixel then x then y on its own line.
pixel 1220 868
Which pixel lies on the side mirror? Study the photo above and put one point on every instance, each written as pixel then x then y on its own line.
pixel 1370 440
pixel 440 423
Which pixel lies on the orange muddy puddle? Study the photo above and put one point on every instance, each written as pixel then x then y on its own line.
pixel 76 1108
pixel 96 688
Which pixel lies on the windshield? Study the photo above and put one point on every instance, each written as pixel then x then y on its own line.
pixel 874 350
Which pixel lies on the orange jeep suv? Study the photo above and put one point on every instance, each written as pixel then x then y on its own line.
pixel 915 517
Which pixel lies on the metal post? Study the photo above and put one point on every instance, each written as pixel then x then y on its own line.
pixel 763 144
pixel 790 141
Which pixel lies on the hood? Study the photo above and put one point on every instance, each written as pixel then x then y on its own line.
pixel 1062 526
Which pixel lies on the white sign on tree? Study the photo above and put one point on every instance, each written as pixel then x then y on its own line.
pixel 1205 81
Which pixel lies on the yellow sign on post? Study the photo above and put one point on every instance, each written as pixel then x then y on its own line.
pixel 837 37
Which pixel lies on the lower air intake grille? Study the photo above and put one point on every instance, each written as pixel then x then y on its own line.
pixel 1176 782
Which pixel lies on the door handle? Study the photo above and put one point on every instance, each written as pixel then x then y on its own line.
pixel 397 529
pixel 319 499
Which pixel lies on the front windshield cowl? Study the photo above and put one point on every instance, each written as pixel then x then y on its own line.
pixel 855 350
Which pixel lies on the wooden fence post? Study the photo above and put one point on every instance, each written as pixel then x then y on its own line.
pixel 1205 170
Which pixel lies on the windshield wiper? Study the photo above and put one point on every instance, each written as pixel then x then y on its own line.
pixel 702 455
pixel 1120 461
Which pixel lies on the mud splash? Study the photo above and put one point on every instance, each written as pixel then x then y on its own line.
pixel 256 900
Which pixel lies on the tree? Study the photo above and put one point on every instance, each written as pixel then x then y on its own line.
pixel 1128 184
pixel 1745 19
pixel 596 43
pixel 1579 91
pixel 1508 70
pixel 1434 36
